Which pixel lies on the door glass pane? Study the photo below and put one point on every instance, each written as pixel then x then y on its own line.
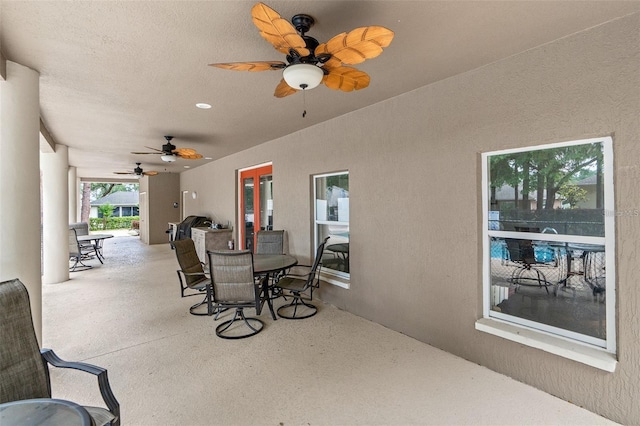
pixel 247 192
pixel 266 202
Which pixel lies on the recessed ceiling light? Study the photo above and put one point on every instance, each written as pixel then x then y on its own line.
pixel 203 105
pixel 187 167
pixel 208 158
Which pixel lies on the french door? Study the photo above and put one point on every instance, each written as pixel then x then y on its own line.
pixel 256 204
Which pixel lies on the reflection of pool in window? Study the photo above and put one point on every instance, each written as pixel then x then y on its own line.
pixel 543 252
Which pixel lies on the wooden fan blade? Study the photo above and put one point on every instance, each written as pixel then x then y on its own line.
pixel 357 45
pixel 277 31
pixel 122 173
pixel 251 66
pixel 184 151
pixel 137 153
pixel 149 173
pixel 283 89
pixel 195 156
pixel 346 79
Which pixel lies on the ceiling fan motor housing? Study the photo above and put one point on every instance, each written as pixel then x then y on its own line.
pixel 302 22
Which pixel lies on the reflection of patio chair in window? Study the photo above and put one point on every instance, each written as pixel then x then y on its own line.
pixel 338 258
pixel 527 272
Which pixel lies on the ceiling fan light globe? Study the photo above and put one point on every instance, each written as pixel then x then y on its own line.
pixel 303 76
pixel 168 158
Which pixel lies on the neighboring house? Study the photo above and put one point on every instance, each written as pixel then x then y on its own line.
pixel 505 199
pixel 125 203
pixel 589 185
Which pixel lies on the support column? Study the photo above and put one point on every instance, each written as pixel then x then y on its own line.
pixel 55 215
pixel 74 185
pixel 20 248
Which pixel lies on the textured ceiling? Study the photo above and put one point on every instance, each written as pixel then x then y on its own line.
pixel 116 76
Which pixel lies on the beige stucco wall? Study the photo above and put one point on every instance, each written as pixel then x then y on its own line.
pixel 160 192
pixel 415 193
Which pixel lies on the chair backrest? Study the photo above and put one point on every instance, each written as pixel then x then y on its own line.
pixel 232 277
pixel 270 242
pixel 319 252
pixel 23 374
pixel 82 228
pixel 189 261
pixel 314 273
pixel 521 251
pixel 74 246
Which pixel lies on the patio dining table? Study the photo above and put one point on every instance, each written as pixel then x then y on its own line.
pixel 264 265
pixel 43 411
pixel 96 240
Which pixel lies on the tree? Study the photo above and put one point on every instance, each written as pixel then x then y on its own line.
pixel 99 190
pixel 92 191
pixel 572 194
pixel 107 211
pixel 85 208
pixel 547 170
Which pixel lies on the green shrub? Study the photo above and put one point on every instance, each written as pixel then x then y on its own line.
pixel 102 224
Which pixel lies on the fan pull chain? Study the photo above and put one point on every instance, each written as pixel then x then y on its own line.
pixel 304 101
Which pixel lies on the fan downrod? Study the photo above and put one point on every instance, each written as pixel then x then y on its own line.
pixel 302 23
pixel 168 147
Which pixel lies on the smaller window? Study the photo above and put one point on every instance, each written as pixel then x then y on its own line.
pixel 331 195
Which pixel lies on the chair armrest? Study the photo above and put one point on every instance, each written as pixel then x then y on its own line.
pixel 103 380
pixel 299 270
pixel 193 273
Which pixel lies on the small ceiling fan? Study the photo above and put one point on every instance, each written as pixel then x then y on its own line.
pixel 137 171
pixel 169 153
pixel 309 62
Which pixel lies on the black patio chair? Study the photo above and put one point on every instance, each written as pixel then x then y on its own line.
pixel 298 280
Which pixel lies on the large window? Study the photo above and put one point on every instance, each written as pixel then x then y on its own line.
pixel 549 241
pixel 331 195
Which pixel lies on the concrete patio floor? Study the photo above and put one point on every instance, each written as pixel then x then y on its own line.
pixel 167 367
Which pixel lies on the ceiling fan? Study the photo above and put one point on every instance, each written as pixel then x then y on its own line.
pixel 138 172
pixel 309 62
pixel 169 152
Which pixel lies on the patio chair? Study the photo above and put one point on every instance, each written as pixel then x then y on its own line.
pixel 270 242
pixel 24 367
pixel 82 228
pixel 192 276
pixel 234 287
pixel 527 268
pixel 79 252
pixel 298 280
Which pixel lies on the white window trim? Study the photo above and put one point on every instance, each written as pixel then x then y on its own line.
pixel 337 278
pixel 563 345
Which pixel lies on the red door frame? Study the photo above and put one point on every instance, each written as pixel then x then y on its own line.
pixel 254 173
